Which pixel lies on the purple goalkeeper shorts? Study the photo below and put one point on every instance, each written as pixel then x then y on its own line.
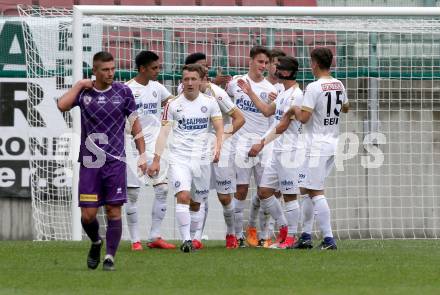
pixel 103 186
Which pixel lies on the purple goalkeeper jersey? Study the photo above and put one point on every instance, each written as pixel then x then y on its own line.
pixel 103 117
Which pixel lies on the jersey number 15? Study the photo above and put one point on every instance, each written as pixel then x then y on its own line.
pixel 329 103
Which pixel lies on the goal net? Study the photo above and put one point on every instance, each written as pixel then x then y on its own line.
pixel 385 184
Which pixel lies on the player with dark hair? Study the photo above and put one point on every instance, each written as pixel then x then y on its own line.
pixel 200 58
pixel 105 105
pixel 282 172
pixel 324 100
pixel 251 93
pixel 267 224
pixel 275 54
pixel 149 96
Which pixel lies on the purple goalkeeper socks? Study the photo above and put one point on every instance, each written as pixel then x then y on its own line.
pixel 113 236
pixel 92 230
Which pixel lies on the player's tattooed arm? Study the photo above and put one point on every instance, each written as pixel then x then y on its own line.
pixel 218 127
pixel 66 101
pixel 161 142
pixel 267 109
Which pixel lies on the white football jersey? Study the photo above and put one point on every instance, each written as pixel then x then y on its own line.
pixel 256 122
pixel 227 107
pixel 285 100
pixel 279 87
pixel 225 103
pixel 191 139
pixel 324 98
pixel 148 100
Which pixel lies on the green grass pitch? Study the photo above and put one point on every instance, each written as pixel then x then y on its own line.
pixel 358 267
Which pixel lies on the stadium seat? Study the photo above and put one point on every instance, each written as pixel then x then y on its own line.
pixel 313 40
pixel 286 41
pixel 299 2
pixel 7 9
pixel 218 2
pixel 138 2
pixel 57 3
pixel 10 7
pixel 150 40
pixel 197 42
pixel 96 2
pixel 178 2
pixel 259 2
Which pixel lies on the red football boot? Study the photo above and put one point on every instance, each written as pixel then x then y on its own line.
pixel 231 241
pixel 288 243
pixel 282 235
pixel 197 245
pixel 159 243
pixel 136 246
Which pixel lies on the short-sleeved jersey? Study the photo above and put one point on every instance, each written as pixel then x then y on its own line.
pixel 279 87
pixel 227 107
pixel 191 120
pixel 256 122
pixel 103 117
pixel 148 100
pixel 324 98
pixel 285 100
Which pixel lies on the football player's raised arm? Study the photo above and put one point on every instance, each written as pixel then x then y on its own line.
pixel 67 101
pixel 267 109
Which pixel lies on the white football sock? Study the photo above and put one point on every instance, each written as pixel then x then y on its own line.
pixel 196 223
pixel 183 218
pixel 228 214
pixel 158 210
pixel 132 221
pixel 291 210
pixel 308 214
pixel 263 221
pixel 238 217
pixel 203 213
pixel 253 212
pixel 323 215
pixel 272 206
pixel 132 215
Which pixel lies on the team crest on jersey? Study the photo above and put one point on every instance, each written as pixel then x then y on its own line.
pixel 177 184
pixel 154 93
pixel 181 123
pixel 263 95
pixel 116 99
pixel 204 109
pixel 87 99
pixel 101 99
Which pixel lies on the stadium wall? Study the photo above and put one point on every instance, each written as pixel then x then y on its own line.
pixel 16 219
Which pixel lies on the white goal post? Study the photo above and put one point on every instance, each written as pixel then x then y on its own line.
pixel 387 57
